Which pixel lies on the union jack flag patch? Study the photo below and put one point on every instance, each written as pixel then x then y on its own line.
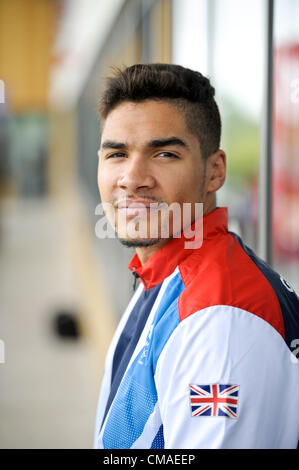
pixel 214 400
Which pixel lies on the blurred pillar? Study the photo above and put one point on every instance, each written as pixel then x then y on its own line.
pixel 265 175
pixel 146 53
pixel 160 31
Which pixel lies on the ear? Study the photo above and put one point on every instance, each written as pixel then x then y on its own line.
pixel 216 171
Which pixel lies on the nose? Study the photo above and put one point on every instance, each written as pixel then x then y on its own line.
pixel 135 175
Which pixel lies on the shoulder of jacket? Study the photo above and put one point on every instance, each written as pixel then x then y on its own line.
pixel 221 273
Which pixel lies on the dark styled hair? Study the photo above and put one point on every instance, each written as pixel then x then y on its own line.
pixel 186 89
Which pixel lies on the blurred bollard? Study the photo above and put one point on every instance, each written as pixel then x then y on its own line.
pixel 66 325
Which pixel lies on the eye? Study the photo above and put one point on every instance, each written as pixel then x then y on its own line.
pixel 116 155
pixel 167 155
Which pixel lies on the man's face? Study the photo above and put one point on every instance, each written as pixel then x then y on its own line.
pixel 148 156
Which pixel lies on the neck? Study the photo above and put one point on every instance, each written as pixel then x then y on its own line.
pixel 145 252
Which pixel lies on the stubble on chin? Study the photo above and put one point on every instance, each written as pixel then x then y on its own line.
pixel 130 243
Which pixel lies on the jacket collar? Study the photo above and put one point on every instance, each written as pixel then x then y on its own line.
pixel 162 263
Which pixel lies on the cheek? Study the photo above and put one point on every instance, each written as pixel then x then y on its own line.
pixel 104 183
pixel 181 185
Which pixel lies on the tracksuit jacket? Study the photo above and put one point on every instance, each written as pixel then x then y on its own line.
pixel 206 353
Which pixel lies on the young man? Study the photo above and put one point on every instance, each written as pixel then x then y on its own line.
pixel 202 355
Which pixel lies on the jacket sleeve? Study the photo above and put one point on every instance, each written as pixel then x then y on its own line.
pixel 227 346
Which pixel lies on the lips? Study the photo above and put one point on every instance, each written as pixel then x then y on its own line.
pixel 136 206
pixel 135 203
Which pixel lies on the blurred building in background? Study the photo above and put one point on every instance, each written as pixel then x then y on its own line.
pixel 54 57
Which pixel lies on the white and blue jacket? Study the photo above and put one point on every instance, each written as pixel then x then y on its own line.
pixel 205 355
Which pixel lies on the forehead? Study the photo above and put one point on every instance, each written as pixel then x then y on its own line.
pixel 145 120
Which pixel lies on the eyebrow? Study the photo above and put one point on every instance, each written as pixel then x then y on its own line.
pixel 166 142
pixel 156 143
pixel 111 144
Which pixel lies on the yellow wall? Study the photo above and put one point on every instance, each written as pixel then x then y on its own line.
pixel 26 36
